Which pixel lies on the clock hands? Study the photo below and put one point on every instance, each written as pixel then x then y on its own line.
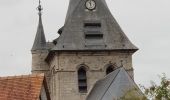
pixel 90 3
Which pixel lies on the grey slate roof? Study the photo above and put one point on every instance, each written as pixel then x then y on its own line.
pixel 40 41
pixel 113 86
pixel 73 32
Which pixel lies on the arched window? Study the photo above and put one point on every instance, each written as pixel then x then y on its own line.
pixel 109 69
pixel 82 80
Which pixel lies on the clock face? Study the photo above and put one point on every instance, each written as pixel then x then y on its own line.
pixel 90 4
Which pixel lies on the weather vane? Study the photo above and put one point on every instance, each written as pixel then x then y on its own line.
pixel 39 8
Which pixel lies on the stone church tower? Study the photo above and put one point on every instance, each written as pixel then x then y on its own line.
pixel 90 46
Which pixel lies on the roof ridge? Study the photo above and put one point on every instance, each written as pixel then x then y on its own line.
pixel 110 73
pixel 22 76
pixel 111 82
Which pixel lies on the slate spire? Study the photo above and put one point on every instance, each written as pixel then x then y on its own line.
pixel 40 41
pixel 92 29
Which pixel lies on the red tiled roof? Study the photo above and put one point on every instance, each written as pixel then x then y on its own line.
pixel 26 87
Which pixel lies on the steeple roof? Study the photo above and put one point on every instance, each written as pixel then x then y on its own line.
pixel 40 41
pixel 91 30
pixel 114 86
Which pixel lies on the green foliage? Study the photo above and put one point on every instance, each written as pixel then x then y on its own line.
pixel 133 95
pixel 159 92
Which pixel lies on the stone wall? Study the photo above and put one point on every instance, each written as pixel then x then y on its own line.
pixel 38 61
pixel 64 66
pixel 39 65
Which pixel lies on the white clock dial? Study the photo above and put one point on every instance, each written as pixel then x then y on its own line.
pixel 90 4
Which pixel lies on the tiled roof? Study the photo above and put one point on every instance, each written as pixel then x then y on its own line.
pixel 25 87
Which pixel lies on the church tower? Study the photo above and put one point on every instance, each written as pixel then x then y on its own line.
pixel 39 49
pixel 90 46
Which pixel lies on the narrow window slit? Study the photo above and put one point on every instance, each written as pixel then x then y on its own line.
pixel 82 80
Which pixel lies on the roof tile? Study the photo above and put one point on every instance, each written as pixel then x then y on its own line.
pixel 25 87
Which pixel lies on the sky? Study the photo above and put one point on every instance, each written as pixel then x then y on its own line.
pixel 145 22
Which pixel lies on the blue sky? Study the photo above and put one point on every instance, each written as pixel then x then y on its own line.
pixel 145 22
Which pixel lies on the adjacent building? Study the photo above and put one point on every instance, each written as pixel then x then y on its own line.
pixel 25 87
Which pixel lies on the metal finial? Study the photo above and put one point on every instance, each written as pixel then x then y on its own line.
pixel 39 2
pixel 39 8
pixel 121 63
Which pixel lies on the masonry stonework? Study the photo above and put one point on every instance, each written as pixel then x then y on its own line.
pixel 64 66
pixel 38 63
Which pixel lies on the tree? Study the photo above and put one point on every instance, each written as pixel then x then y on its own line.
pixel 159 92
pixel 132 94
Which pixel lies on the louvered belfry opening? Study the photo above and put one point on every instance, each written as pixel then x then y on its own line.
pixel 93 34
pixel 109 69
pixel 82 80
pixel 93 30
